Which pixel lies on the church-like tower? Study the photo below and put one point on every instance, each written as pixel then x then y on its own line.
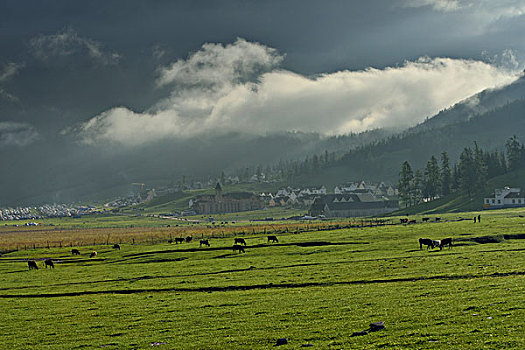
pixel 218 192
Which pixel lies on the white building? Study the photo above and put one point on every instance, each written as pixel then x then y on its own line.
pixel 504 198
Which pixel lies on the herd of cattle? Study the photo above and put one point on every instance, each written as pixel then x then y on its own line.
pixel 433 243
pixel 238 246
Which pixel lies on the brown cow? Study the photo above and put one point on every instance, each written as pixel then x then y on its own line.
pixel 49 262
pixel 32 265
pixel 238 247
pixel 93 254
pixel 444 242
pixel 239 241
pixel 273 239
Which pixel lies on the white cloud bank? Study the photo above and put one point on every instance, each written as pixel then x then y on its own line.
pixel 239 87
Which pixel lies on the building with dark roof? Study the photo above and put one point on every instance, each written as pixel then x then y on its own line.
pixel 506 197
pixel 226 203
pixel 350 205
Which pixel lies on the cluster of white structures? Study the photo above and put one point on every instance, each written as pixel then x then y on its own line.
pixel 47 210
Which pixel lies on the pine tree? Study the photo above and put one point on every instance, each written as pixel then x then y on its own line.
pixel 456 178
pixel 480 168
pixel 446 180
pixel 315 162
pixel 405 184
pixel 514 153
pixel 467 171
pixel 417 187
pixel 431 180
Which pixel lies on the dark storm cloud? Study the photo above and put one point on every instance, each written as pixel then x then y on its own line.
pixel 101 59
pixel 158 79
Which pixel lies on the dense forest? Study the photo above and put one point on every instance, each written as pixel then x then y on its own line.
pixel 380 160
pixel 468 176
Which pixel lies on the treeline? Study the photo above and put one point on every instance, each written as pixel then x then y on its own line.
pixel 287 171
pixel 469 175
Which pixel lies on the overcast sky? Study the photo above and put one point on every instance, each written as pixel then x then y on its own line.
pixel 132 72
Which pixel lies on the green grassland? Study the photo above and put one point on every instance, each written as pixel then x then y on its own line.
pixel 313 288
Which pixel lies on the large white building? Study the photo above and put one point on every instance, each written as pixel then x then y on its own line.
pixel 504 198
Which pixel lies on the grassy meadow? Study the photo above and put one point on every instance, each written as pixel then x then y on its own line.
pixel 314 288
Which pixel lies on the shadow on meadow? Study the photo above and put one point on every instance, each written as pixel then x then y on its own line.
pixel 264 286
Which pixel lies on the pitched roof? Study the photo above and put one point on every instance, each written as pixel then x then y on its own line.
pixel 514 195
pixel 362 205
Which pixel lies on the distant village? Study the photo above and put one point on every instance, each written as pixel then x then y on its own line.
pixel 353 199
pixel 348 200
pixel 45 211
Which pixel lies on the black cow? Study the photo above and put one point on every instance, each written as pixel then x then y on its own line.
pixel 438 219
pixel 426 241
pixel 204 242
pixel 404 220
pixel 240 241
pixel 425 219
pixel 189 239
pixel 444 242
pixel 116 246
pixel 32 265
pixel 49 262
pixel 179 240
pixel 273 239
pixel 75 252
pixel 93 254
pixel 238 247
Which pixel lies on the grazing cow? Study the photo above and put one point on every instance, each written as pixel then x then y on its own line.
pixel 116 246
pixel 240 241
pixel 49 262
pixel 444 242
pixel 438 219
pixel 238 247
pixel 273 239
pixel 179 240
pixel 412 222
pixel 93 254
pixel 426 241
pixel 204 242
pixel 32 265
pixel 75 252
pixel 188 239
pixel 436 242
pixel 425 219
